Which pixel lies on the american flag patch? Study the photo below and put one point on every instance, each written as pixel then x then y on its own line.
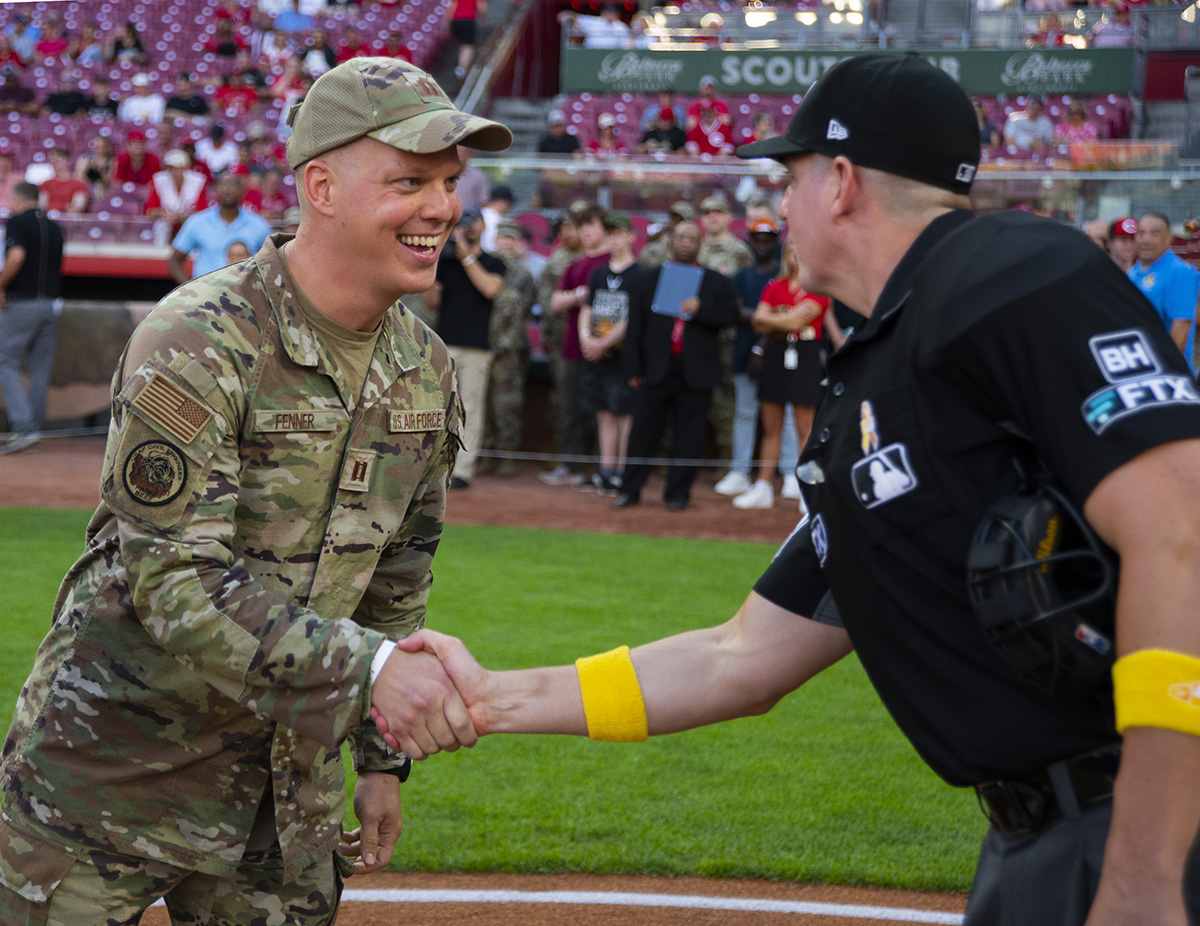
pixel 166 404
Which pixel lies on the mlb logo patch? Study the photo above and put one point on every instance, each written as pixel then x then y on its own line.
pixel 881 476
pixel 1124 355
pixel 965 173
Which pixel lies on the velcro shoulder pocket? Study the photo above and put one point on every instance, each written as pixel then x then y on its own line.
pixel 168 433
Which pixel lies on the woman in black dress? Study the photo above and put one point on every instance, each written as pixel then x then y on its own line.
pixel 792 322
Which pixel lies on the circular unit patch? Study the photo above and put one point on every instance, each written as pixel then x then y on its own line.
pixel 154 473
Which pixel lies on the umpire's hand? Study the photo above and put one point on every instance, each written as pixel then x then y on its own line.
pixel 420 705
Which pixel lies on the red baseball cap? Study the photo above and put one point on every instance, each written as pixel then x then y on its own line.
pixel 137 135
pixel 1124 228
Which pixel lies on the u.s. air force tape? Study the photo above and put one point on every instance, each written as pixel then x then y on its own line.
pixel 154 473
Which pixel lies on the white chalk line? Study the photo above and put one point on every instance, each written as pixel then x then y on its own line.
pixel 857 911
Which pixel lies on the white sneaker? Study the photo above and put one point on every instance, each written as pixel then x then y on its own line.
pixel 733 483
pixel 759 495
pixel 791 488
pixel 561 476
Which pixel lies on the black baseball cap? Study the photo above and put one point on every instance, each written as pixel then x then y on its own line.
pixel 891 112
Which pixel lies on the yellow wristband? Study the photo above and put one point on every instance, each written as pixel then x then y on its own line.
pixel 612 697
pixel 1157 688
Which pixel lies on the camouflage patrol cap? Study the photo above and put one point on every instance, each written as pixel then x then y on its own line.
pixel 391 101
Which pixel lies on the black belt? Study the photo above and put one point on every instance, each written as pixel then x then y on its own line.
pixel 1060 791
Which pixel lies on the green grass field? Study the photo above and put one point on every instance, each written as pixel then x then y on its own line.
pixel 824 788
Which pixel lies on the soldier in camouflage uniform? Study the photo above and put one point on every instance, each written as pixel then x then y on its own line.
pixel 510 350
pixel 553 325
pixel 658 249
pixel 725 254
pixel 272 495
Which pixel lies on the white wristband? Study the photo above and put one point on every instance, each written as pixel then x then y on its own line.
pixel 381 656
pixel 469 259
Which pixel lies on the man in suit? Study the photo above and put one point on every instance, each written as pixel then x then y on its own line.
pixel 673 364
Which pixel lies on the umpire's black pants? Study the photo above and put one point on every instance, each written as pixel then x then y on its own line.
pixel 1049 878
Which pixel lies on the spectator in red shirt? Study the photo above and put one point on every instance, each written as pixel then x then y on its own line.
pixel 761 128
pixel 234 97
pixel 244 166
pixel 53 42
pixel 63 192
pixel 607 143
pixel 708 100
pixel 176 192
pixel 268 199
pixel 8 54
pixel 710 135
pixel 352 46
pixel 235 12
pixel 135 164
pixel 225 41
pixel 267 154
pixel 394 47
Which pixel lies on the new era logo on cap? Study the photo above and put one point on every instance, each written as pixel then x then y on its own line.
pixel 837 131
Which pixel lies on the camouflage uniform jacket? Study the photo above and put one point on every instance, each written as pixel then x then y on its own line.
pixel 558 261
pixel 657 251
pixel 726 257
pixel 255 543
pixel 510 308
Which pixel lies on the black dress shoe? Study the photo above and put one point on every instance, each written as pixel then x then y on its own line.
pixel 624 500
pixel 676 504
pixel 457 482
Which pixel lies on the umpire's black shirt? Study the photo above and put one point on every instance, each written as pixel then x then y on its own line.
pixel 40 275
pixel 992 333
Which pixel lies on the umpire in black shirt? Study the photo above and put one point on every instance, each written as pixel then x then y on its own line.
pixel 1006 369
pixel 30 287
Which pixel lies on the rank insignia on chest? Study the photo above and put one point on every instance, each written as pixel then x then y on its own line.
pixel 356 471
pixel 412 420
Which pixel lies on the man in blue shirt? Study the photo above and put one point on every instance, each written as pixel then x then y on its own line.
pixel 1170 283
pixel 208 233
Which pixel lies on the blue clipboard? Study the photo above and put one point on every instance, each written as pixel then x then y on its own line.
pixel 676 282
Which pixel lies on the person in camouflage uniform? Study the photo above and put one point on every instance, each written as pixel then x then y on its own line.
pixel 658 249
pixel 725 254
pixel 510 350
pixel 551 324
pixel 272 495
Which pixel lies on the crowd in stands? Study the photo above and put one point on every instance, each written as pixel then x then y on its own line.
pixel 114 118
pixel 672 124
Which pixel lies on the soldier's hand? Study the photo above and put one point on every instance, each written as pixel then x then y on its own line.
pixel 420 706
pixel 470 678
pixel 377 806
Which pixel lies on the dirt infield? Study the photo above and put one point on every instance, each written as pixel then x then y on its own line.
pixel 64 473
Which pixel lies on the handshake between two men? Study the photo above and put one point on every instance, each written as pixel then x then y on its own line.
pixel 434 696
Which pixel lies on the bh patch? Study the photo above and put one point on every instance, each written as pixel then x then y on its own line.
pixel 154 473
pixel 1130 364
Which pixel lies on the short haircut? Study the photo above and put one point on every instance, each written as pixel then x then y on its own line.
pixel 26 191
pixel 1157 215
pixel 592 213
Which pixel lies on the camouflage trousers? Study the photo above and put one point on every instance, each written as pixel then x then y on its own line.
pixel 44 884
pixel 720 413
pixel 506 401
